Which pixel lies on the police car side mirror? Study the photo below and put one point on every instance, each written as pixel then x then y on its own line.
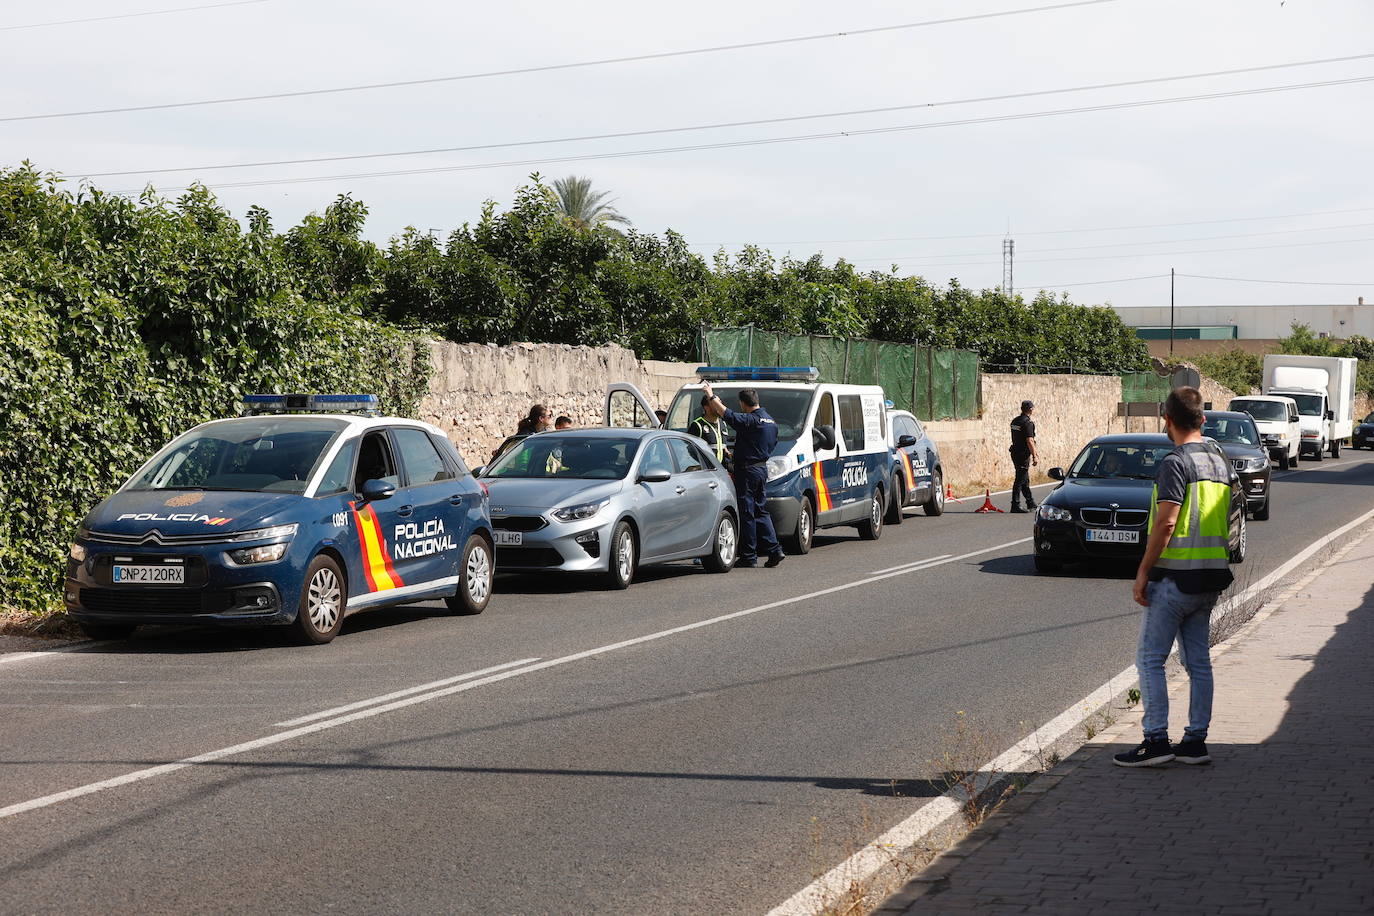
pixel 1055 473
pixel 655 477
pixel 823 437
pixel 477 471
pixel 906 441
pixel 378 489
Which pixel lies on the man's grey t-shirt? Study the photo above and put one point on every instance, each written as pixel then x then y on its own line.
pixel 1175 474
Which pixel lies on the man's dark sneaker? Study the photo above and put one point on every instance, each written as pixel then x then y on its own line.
pixel 1018 510
pixel 1146 754
pixel 1192 751
pixel 775 560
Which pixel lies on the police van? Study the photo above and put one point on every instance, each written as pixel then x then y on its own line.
pixel 833 465
pixel 303 510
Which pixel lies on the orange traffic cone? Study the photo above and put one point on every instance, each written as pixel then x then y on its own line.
pixel 949 495
pixel 987 505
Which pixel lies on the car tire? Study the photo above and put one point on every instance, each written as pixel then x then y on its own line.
pixel 104 632
pixel 894 508
pixel 1321 452
pixel 1286 462
pixel 1262 513
pixel 324 595
pixel 621 557
pixel 475 572
pixel 799 541
pixel 1242 543
pixel 724 545
pixel 1047 567
pixel 935 502
pixel 871 528
pixel 1335 448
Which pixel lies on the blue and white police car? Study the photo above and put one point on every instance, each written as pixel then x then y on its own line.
pixel 833 464
pixel 303 510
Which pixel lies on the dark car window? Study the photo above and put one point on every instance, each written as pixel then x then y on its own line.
pixel 1240 431
pixel 575 455
pixel 787 407
pixel 337 476
pixel 1110 459
pixel 272 454
pixel 375 462
pixel 1368 419
pixel 1262 410
pixel 852 422
pixel 683 454
pixel 422 461
pixel 658 459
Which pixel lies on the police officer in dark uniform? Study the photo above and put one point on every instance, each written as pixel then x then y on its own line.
pixel 756 434
pixel 1023 455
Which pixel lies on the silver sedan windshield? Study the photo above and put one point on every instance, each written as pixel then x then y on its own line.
pixel 577 457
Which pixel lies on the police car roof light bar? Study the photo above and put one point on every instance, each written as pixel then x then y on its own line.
pixel 759 373
pixel 255 404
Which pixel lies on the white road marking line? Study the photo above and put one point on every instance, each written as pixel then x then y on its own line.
pixel 811 899
pixel 211 756
pixel 912 564
pixel 337 710
pixel 25 656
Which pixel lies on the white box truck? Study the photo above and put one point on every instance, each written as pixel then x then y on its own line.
pixel 1324 389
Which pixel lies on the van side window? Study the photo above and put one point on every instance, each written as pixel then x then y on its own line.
pixel 825 412
pixel 375 462
pixel 852 422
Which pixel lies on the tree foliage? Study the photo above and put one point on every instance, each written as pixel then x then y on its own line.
pixel 1233 367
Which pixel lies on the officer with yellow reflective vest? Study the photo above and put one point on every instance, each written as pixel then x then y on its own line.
pixel 1184 571
pixel 709 429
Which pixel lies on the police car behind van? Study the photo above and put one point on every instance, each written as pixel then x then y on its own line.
pixel 918 477
pixel 832 465
pixel 297 513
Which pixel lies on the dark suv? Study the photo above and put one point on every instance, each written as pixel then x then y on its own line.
pixel 1239 438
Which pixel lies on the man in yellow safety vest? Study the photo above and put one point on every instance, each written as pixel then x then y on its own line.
pixel 1184 570
pixel 711 430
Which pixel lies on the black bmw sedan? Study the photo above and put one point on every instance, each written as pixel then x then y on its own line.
pixel 1101 509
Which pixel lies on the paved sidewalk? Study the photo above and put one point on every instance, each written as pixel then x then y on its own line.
pixel 1282 821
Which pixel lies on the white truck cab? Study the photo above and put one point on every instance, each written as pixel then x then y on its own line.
pixel 1280 427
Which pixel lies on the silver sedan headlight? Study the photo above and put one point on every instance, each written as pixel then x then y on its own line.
pixel 579 512
pixel 1055 514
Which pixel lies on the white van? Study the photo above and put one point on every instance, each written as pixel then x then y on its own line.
pixel 832 465
pixel 1280 427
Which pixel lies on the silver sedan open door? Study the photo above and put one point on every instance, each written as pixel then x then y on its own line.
pixel 626 406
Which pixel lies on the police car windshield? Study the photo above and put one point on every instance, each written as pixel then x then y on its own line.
pixel 1263 410
pixel 1231 429
pixel 1135 462
pixel 255 454
pixel 567 457
pixel 787 407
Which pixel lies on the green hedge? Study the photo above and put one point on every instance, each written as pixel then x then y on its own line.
pixel 123 323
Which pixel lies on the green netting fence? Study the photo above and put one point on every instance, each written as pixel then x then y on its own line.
pixel 933 384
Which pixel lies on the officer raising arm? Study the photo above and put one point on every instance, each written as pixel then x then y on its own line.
pixel 756 434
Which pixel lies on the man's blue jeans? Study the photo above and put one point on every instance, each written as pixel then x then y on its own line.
pixel 1187 618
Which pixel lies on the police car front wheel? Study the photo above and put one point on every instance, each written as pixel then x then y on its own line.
pixel 322 601
pixel 474 578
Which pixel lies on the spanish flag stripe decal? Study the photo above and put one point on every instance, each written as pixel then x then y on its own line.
pixel 376 564
pixel 910 475
pixel 822 491
pixel 386 555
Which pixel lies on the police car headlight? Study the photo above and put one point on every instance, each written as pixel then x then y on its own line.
pixel 1055 514
pixel 77 553
pixel 778 467
pixel 260 534
pixel 580 512
pixel 1255 464
pixel 247 556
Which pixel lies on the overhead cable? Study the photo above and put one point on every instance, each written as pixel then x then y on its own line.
pixel 1283 282
pixel 827 135
pixel 179 9
pixel 732 124
pixel 739 46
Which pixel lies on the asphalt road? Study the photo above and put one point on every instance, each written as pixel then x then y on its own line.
pixel 714 768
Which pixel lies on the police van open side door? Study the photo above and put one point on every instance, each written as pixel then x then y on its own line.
pixel 626 406
pixel 826 468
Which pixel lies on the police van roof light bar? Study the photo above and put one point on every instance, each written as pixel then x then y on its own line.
pixel 758 373
pixel 254 404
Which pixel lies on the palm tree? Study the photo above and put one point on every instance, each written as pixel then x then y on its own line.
pixel 584 208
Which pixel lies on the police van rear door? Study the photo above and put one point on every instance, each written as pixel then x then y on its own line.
pixel 626 406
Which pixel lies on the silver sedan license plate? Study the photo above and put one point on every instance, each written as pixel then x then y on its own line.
pixel 509 538
pixel 155 575
pixel 1109 536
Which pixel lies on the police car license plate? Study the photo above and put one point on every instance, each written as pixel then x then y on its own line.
pixel 160 575
pixel 1114 537
pixel 509 538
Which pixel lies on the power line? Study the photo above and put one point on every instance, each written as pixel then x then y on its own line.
pixel 732 124
pixel 1283 282
pixel 547 68
pixel 1089 282
pixel 735 144
pixel 179 9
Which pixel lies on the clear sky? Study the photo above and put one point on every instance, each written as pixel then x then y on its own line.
pixel 875 199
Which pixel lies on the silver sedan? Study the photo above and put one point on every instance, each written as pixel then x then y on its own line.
pixel 610 501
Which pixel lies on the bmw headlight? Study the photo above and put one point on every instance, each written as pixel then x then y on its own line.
pixel 247 556
pixel 1255 464
pixel 579 512
pixel 1055 514
pixel 778 467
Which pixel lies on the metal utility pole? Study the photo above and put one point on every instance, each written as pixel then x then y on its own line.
pixel 1171 313
pixel 1008 260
